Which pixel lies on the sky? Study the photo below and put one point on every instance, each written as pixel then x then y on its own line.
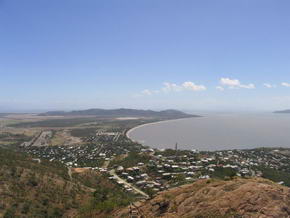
pixel 149 54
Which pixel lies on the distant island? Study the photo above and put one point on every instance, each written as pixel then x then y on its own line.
pixel 122 112
pixel 283 112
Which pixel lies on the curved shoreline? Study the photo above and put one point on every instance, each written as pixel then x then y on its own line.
pixel 152 123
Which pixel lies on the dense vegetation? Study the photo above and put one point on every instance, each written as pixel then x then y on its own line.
pixel 83 132
pixel 223 173
pixel 106 197
pixel 131 160
pixel 276 175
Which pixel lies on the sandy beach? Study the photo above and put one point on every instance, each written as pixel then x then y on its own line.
pixel 149 124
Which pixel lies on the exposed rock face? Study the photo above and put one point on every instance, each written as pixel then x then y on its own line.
pixel 213 198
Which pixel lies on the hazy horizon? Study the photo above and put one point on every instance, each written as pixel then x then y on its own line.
pixel 190 111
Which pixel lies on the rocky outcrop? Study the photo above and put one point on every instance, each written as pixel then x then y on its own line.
pixel 213 198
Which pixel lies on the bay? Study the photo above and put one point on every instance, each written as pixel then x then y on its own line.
pixel 217 132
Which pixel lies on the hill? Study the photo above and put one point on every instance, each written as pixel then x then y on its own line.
pixel 40 188
pixel 121 113
pixel 282 112
pixel 214 198
pixel 32 189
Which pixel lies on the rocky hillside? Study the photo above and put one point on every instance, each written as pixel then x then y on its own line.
pixel 39 188
pixel 214 198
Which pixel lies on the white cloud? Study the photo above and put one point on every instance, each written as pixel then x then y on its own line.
pixel 230 82
pixel 190 86
pixel 285 84
pixel 269 86
pixel 168 87
pixel 193 87
pixel 146 92
pixel 235 84
pixel 220 88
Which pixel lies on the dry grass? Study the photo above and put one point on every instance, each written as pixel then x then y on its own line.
pixel 63 137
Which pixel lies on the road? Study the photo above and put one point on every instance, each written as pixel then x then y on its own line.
pixel 106 164
pixel 117 137
pixel 113 173
pixel 71 178
pixel 69 173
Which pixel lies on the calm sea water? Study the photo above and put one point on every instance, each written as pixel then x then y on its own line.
pixel 218 132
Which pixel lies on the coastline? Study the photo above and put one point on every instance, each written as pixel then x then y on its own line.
pixel 151 123
pixel 215 133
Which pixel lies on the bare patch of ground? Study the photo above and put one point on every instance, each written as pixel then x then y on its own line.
pixel 63 137
pixel 128 118
pixel 80 170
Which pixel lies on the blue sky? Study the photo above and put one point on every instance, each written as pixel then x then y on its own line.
pixel 211 55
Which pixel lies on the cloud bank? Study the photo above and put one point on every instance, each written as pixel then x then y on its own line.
pixel 225 83
pixel 172 87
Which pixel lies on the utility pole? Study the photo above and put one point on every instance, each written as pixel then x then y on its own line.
pixel 176 147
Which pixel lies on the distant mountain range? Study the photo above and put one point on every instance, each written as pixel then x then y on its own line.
pixel 122 112
pixel 283 112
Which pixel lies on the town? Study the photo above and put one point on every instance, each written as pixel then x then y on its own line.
pixel 102 145
pixel 145 171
